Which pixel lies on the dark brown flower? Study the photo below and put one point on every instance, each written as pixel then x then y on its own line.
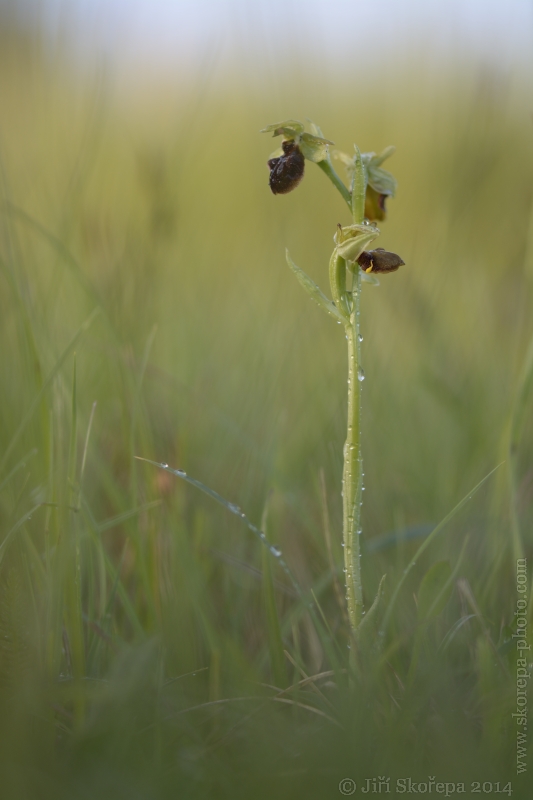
pixel 287 171
pixel 379 260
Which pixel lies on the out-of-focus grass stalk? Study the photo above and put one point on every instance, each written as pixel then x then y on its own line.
pixel 74 628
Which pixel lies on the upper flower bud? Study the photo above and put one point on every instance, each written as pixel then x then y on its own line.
pixel 380 183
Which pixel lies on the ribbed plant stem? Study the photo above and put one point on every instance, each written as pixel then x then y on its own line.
pixel 352 479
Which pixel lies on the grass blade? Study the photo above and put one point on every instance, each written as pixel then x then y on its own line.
pixel 233 509
pixel 7 539
pixel 51 375
pixel 275 643
pixel 305 598
pixel 425 544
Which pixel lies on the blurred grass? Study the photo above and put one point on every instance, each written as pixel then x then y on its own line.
pixel 128 602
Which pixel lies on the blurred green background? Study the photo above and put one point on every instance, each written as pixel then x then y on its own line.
pixel 145 197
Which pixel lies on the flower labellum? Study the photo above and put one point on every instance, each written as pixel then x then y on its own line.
pixel 379 260
pixel 287 171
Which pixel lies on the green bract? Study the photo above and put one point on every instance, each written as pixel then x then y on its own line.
pixel 353 239
pixel 346 232
pixel 382 181
pixel 313 148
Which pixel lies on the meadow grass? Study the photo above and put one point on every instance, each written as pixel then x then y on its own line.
pixel 150 646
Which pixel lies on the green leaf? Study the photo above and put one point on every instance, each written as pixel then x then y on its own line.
pixel 314 291
pixel 337 282
pixel 435 590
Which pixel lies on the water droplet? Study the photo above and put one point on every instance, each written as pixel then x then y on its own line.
pixel 359 532
pixel 360 374
pixel 181 472
pixel 165 466
pixel 276 552
pixel 234 509
pixel 363 488
pixel 359 337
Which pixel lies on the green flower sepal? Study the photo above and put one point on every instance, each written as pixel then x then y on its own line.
pixel 313 148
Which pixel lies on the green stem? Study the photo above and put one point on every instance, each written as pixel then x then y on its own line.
pixel 352 478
